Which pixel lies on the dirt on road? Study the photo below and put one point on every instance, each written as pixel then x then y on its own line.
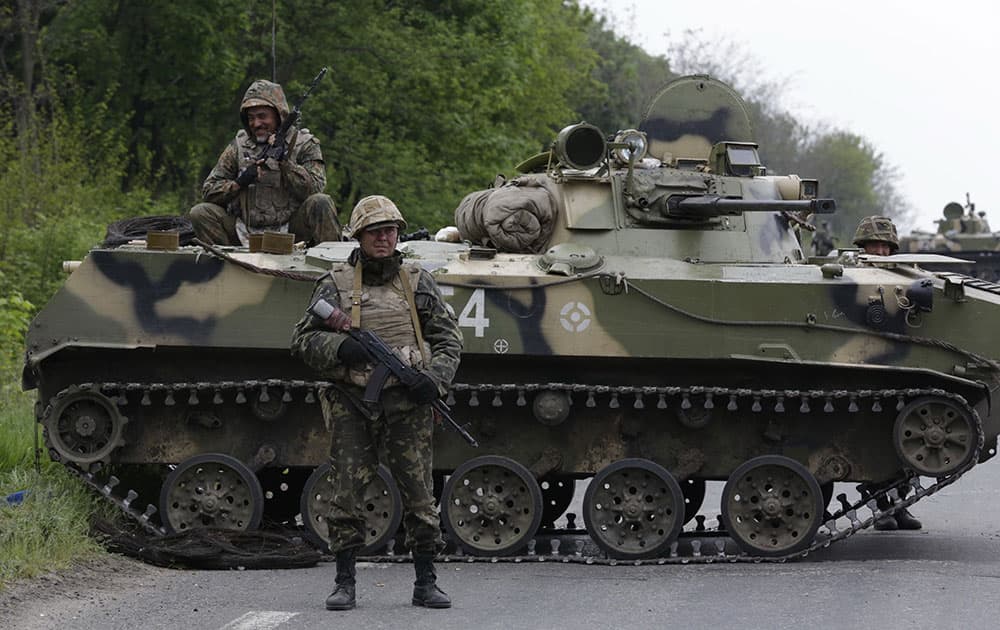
pixel 55 598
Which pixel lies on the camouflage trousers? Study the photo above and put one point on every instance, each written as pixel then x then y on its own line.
pixel 401 438
pixel 314 221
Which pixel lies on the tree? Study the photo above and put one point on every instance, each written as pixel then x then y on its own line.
pixel 429 100
pixel 623 82
pixel 854 173
pixel 164 64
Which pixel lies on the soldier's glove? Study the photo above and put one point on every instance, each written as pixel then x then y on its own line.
pixel 278 148
pixel 352 353
pixel 247 176
pixel 424 390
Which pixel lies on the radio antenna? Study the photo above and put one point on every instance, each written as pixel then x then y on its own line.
pixel 274 56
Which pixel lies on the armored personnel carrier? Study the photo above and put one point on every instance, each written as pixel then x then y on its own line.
pixel 637 311
pixel 963 233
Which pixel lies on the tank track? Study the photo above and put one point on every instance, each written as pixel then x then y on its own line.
pixel 847 521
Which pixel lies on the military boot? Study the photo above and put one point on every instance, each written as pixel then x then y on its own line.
pixel 904 519
pixel 342 597
pixel 886 523
pixel 425 589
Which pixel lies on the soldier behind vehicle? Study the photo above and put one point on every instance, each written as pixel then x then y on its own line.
pixel 403 305
pixel 243 195
pixel 877 235
pixel 822 241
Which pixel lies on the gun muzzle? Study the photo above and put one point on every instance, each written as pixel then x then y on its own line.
pixel 704 206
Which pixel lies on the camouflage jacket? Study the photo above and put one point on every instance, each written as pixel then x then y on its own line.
pixel 302 172
pixel 318 346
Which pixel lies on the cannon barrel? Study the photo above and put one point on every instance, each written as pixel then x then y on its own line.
pixel 712 206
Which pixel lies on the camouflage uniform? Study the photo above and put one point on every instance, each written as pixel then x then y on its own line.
pixel 287 192
pixel 396 431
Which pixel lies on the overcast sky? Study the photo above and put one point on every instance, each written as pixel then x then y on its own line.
pixel 920 81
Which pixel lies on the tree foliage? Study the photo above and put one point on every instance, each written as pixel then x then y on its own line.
pixel 162 65
pixel 624 81
pixel 57 196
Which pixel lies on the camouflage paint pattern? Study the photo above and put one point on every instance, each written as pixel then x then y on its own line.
pixel 690 114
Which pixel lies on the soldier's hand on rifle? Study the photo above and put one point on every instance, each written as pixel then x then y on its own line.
pixel 278 149
pixel 247 176
pixel 424 390
pixel 352 353
pixel 338 321
pixel 333 318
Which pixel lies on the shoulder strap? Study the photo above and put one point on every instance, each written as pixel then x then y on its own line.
pixel 408 290
pixel 356 297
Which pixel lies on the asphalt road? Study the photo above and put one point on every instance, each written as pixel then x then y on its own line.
pixel 945 576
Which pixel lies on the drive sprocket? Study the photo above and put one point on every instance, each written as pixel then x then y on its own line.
pixel 82 426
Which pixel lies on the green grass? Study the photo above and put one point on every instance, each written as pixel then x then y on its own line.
pixel 17 421
pixel 49 530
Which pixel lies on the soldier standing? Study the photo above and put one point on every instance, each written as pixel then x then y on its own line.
pixel 242 195
pixel 403 305
pixel 877 235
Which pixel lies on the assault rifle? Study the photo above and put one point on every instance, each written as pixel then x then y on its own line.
pixel 386 363
pixel 417 235
pixel 279 147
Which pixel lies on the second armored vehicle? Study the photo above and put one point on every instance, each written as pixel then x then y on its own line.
pixel 963 233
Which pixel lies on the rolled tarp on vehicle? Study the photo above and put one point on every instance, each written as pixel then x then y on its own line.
pixel 517 217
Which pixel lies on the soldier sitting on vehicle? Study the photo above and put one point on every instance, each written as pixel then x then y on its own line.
pixel 243 195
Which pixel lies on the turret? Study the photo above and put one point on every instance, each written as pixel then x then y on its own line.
pixel 687 184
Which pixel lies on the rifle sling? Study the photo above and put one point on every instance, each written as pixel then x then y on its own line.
pixel 411 300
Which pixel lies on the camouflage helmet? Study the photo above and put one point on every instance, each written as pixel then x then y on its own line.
pixel 266 93
pixel 879 229
pixel 372 210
